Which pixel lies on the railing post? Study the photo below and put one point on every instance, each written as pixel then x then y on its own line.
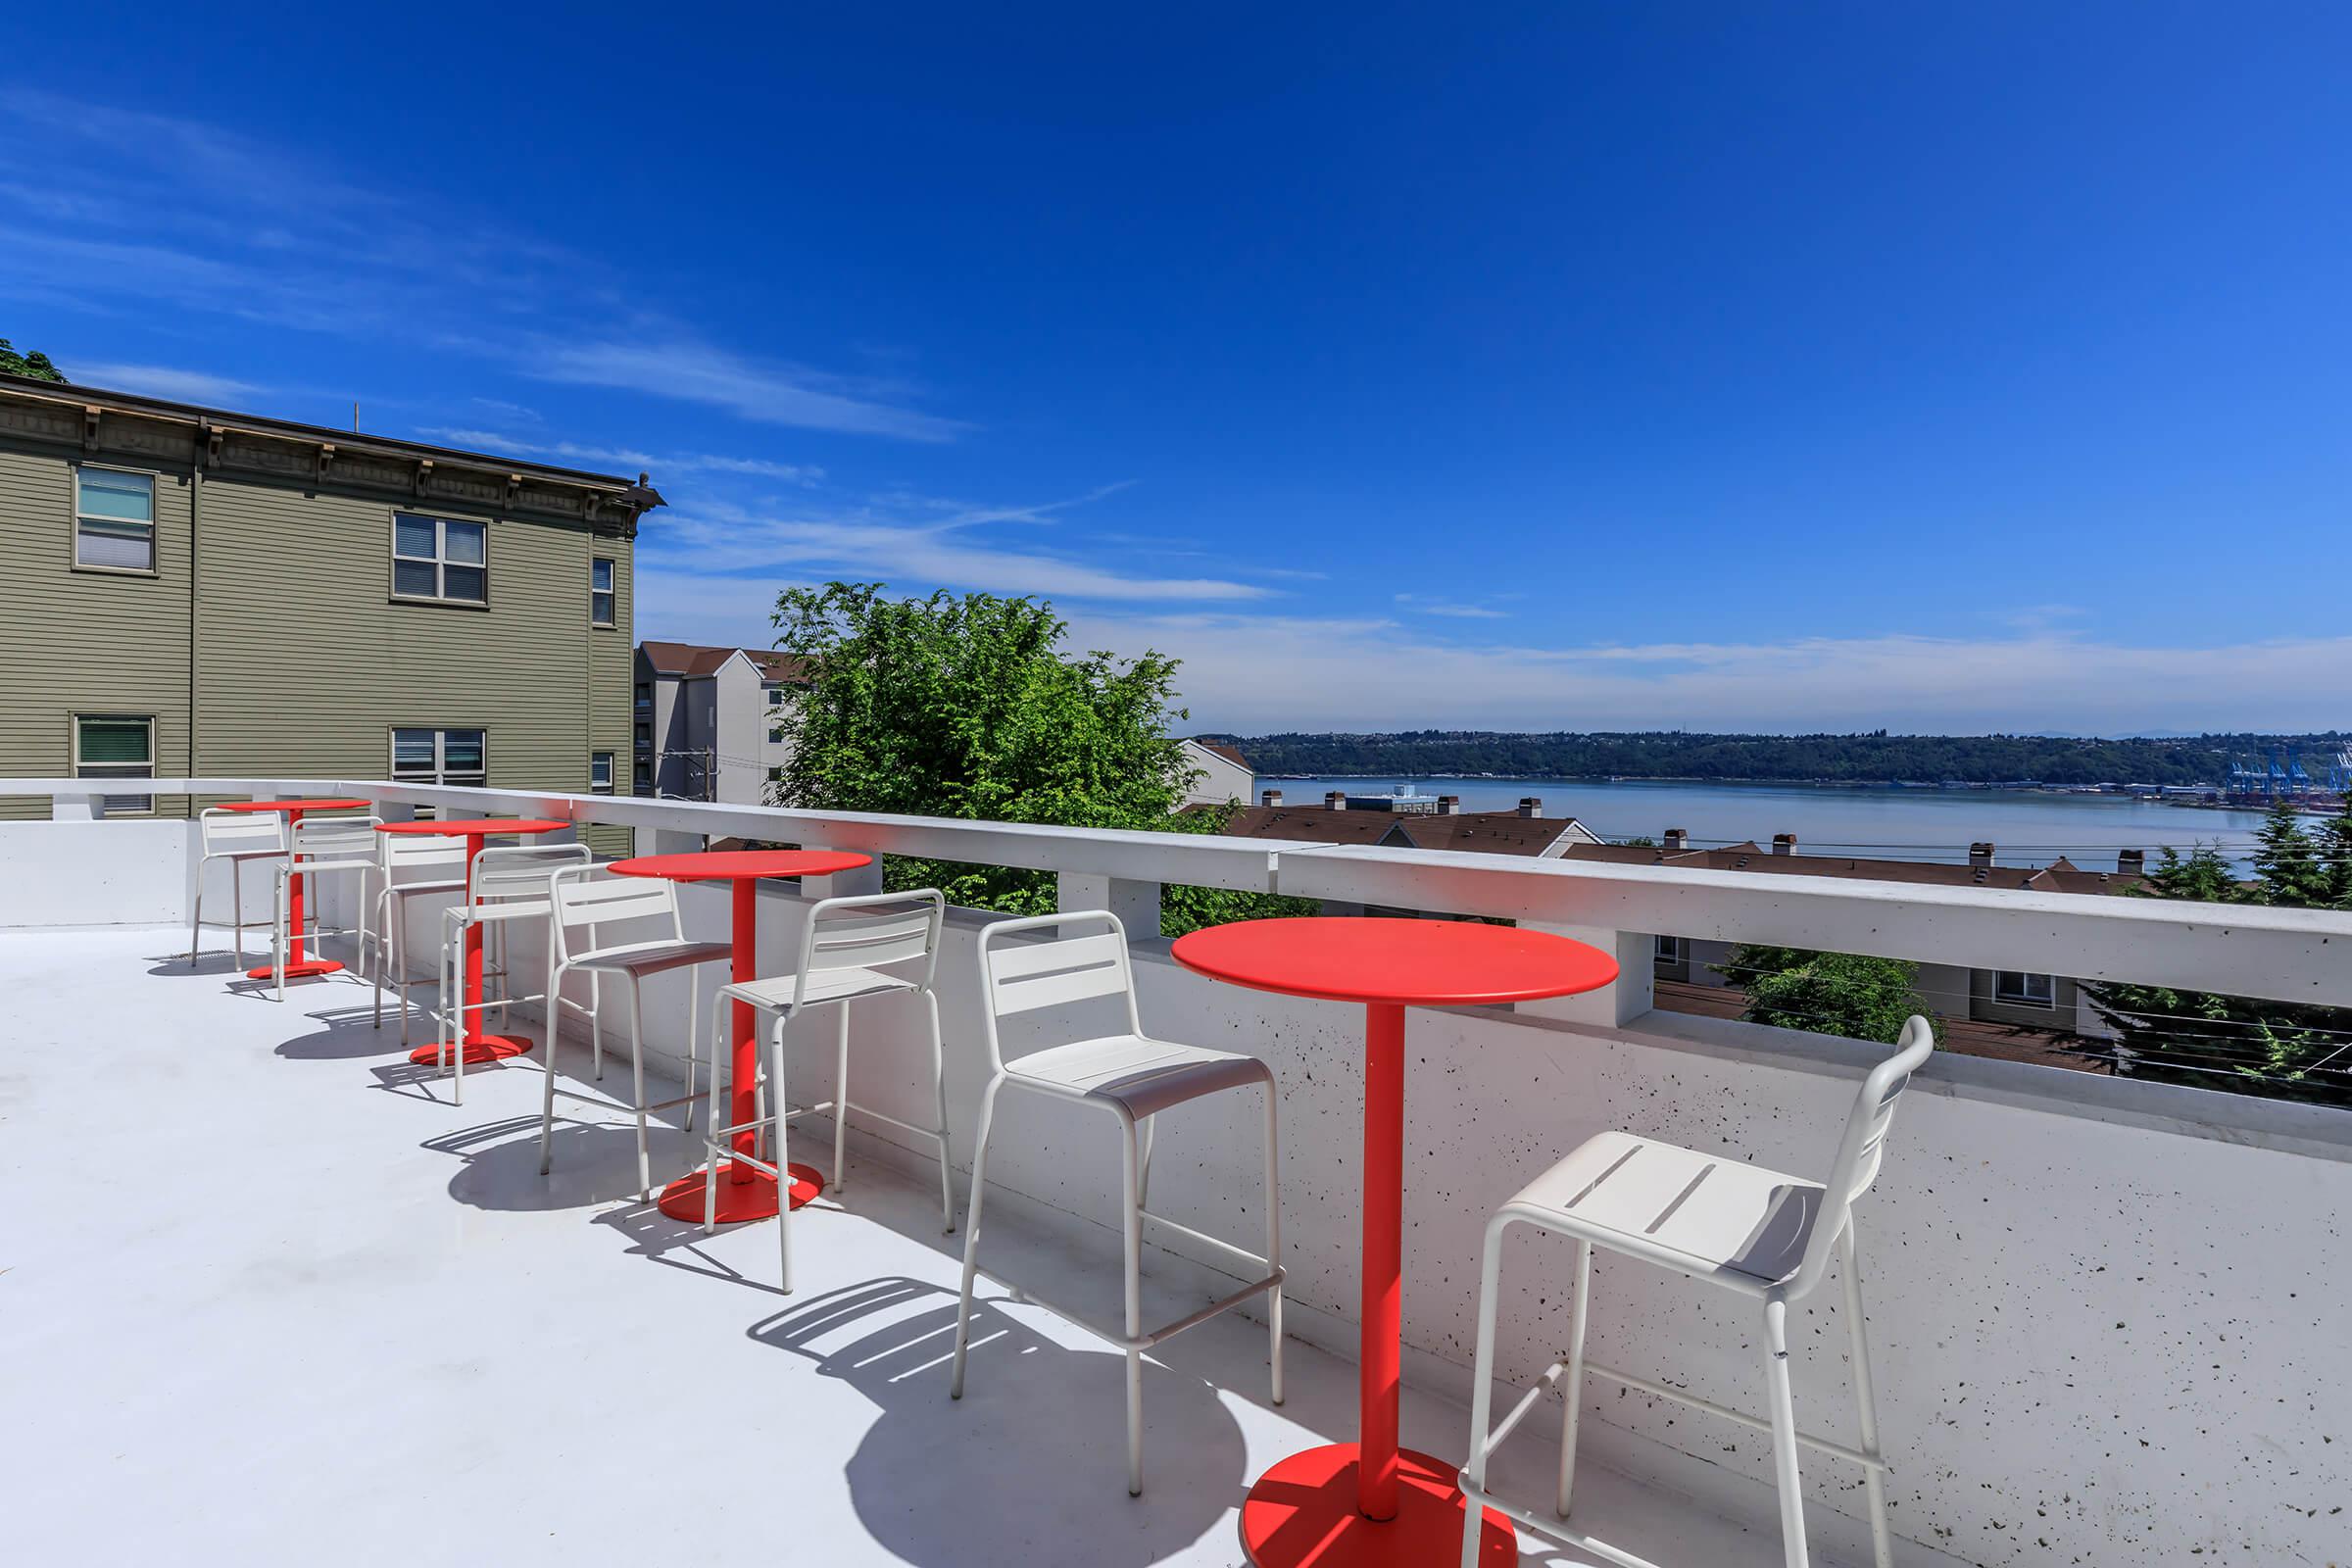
pixel 843 884
pixel 1135 904
pixel 1634 993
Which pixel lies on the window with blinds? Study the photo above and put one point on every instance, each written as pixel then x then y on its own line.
pixel 440 558
pixel 115 746
pixel 113 519
pixel 440 757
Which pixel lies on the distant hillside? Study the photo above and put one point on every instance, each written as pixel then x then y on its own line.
pixel 1870 758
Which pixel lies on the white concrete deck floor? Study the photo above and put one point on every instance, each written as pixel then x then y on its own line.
pixel 266 1296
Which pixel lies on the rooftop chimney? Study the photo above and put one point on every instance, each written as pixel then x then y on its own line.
pixel 1678 839
pixel 2132 863
pixel 1450 805
pixel 1336 800
pixel 1269 798
pixel 1783 844
pixel 1979 854
pixel 1531 805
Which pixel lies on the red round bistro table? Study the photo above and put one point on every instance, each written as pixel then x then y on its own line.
pixel 480 1046
pixel 744 1194
pixel 298 962
pixel 1369 1502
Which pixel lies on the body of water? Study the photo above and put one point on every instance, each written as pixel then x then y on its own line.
pixel 2026 827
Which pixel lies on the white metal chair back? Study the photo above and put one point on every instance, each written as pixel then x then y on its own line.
pixel 420 853
pixel 1051 974
pixel 228 832
pixel 873 931
pixel 337 838
pixel 521 870
pixel 1862 1149
pixel 588 896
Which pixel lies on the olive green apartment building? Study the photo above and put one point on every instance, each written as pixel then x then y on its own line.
pixel 192 592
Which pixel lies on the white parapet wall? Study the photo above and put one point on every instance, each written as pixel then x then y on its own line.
pixel 2105 1312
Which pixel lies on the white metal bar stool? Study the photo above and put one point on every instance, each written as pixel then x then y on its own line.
pixel 846 947
pixel 1750 1230
pixel 413 866
pixel 1132 1077
pixel 587 896
pixel 508 884
pixel 323 846
pixel 235 837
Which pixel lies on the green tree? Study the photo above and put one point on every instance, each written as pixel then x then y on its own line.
pixel 1827 992
pixel 970 706
pixel 2249 1043
pixel 34 365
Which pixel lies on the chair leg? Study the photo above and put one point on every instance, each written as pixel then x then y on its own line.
pixel 972 1237
pixel 1579 1314
pixel 718 1038
pixel 1482 1390
pixel 1273 1240
pixel 1882 1540
pixel 277 932
pixel 458 1031
pixel 645 1163
pixel 377 970
pixel 196 918
pixel 1134 1217
pixel 938 1089
pixel 1784 1432
pixel 841 1107
pixel 1144 1131
pixel 547 1093
pixel 393 939
pixel 595 1019
pixel 690 1061
pixel 783 1156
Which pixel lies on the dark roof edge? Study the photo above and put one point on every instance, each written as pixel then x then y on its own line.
pixel 263 424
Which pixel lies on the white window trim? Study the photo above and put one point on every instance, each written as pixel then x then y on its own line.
pixel 155 553
pixel 1667 950
pixel 2024 997
pixel 613 593
pixel 607 787
pixel 75 724
pixel 441 562
pixel 440 734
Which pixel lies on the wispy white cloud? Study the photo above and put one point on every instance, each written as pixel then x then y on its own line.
pixel 164 381
pixel 1421 606
pixel 699 372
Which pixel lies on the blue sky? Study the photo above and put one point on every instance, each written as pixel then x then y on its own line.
pixel 1558 366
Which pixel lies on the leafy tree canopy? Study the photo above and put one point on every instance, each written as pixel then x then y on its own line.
pixel 971 706
pixel 34 365
pixel 1845 994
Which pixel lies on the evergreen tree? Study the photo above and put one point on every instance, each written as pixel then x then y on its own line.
pixel 34 365
pixel 2248 1044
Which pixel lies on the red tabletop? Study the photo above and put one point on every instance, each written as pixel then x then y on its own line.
pixel 1371 1503
pixel 1422 964
pixel 295 807
pixel 744 1192
pixel 472 827
pixel 727 866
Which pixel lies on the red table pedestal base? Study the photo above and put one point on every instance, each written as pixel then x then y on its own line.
pixel 480 1049
pixel 295 971
pixel 739 1200
pixel 1302 1514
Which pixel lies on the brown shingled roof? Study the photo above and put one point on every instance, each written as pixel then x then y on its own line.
pixel 1220 749
pixel 692 660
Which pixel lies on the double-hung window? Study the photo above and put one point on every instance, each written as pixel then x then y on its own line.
pixel 115 746
pixel 113 519
pixel 440 558
pixel 440 757
pixel 2024 988
pixel 601 602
